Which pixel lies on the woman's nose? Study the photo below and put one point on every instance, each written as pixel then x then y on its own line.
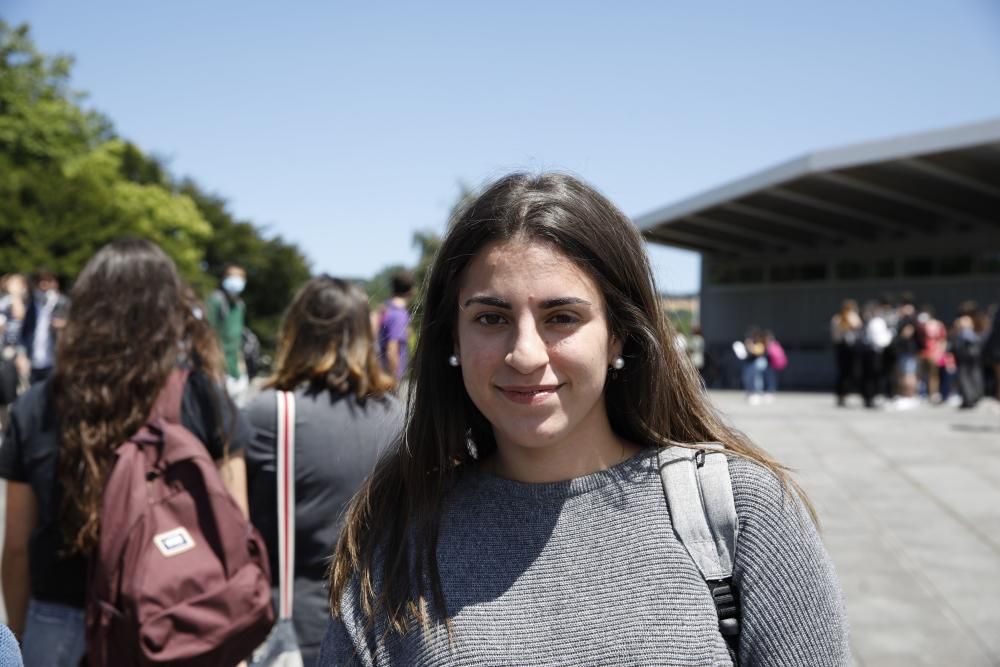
pixel 528 350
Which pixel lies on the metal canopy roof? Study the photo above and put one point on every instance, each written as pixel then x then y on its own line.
pixel 922 184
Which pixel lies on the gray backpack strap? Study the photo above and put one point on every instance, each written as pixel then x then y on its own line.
pixel 699 495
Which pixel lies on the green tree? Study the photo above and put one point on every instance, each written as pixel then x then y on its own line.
pixel 146 210
pixel 64 186
pixel 275 268
pixel 68 185
pixel 41 120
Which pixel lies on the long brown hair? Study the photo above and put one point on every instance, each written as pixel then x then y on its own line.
pixel 326 341
pixel 657 399
pixel 131 320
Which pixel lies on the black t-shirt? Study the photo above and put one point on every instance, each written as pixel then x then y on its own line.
pixel 908 344
pixel 30 454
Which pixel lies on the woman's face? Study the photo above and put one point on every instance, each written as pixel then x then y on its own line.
pixel 534 344
pixel 16 286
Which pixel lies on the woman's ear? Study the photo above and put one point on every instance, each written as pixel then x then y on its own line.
pixel 615 347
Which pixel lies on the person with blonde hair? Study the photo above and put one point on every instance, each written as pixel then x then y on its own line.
pixel 344 416
pixel 847 333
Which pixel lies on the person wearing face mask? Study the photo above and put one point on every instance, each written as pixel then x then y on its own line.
pixel 13 366
pixel 45 316
pixel 226 313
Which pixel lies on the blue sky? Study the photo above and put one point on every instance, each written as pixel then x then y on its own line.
pixel 346 126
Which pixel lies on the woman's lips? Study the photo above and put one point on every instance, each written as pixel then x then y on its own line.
pixel 529 395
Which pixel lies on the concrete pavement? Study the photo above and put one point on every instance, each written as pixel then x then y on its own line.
pixel 909 503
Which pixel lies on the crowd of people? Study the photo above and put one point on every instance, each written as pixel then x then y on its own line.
pixel 899 355
pixel 500 507
pixel 762 358
pixel 32 313
pixel 754 363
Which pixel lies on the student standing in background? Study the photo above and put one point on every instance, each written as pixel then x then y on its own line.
pixel 44 319
pixel 394 326
pixel 226 314
pixel 130 326
pixel 13 362
pixel 846 331
pixel 345 416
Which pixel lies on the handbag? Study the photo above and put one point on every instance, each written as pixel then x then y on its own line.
pixel 281 648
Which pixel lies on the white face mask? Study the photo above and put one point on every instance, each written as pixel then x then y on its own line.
pixel 233 284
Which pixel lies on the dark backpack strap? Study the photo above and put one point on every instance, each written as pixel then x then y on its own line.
pixel 168 403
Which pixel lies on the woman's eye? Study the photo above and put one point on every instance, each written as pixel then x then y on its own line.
pixel 564 318
pixel 490 319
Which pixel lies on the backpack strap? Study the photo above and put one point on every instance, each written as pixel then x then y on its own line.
pixel 699 496
pixel 168 403
pixel 221 302
pixel 285 452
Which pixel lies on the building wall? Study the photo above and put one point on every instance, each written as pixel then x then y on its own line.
pixel 799 311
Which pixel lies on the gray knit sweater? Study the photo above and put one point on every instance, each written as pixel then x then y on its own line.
pixel 589 572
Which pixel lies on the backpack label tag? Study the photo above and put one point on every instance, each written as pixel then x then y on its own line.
pixel 174 542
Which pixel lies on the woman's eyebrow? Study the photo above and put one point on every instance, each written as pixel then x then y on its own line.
pixel 561 301
pixel 494 301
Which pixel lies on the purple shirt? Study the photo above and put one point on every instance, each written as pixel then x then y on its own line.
pixel 394 325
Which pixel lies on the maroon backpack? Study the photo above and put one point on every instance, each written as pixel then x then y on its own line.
pixel 180 576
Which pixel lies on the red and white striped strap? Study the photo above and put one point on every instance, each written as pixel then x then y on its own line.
pixel 286 502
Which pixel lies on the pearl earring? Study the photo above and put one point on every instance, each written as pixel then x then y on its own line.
pixel 453 361
pixel 618 363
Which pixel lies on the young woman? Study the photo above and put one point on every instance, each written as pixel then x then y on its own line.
pixel 755 366
pixel 520 518
pixel 846 332
pixel 130 324
pixel 344 418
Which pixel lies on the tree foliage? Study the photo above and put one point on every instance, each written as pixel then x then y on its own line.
pixel 68 185
pixel 275 268
pixel 41 120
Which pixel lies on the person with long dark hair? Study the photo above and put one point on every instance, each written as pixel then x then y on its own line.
pixel 345 416
pixel 132 321
pixel 520 516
